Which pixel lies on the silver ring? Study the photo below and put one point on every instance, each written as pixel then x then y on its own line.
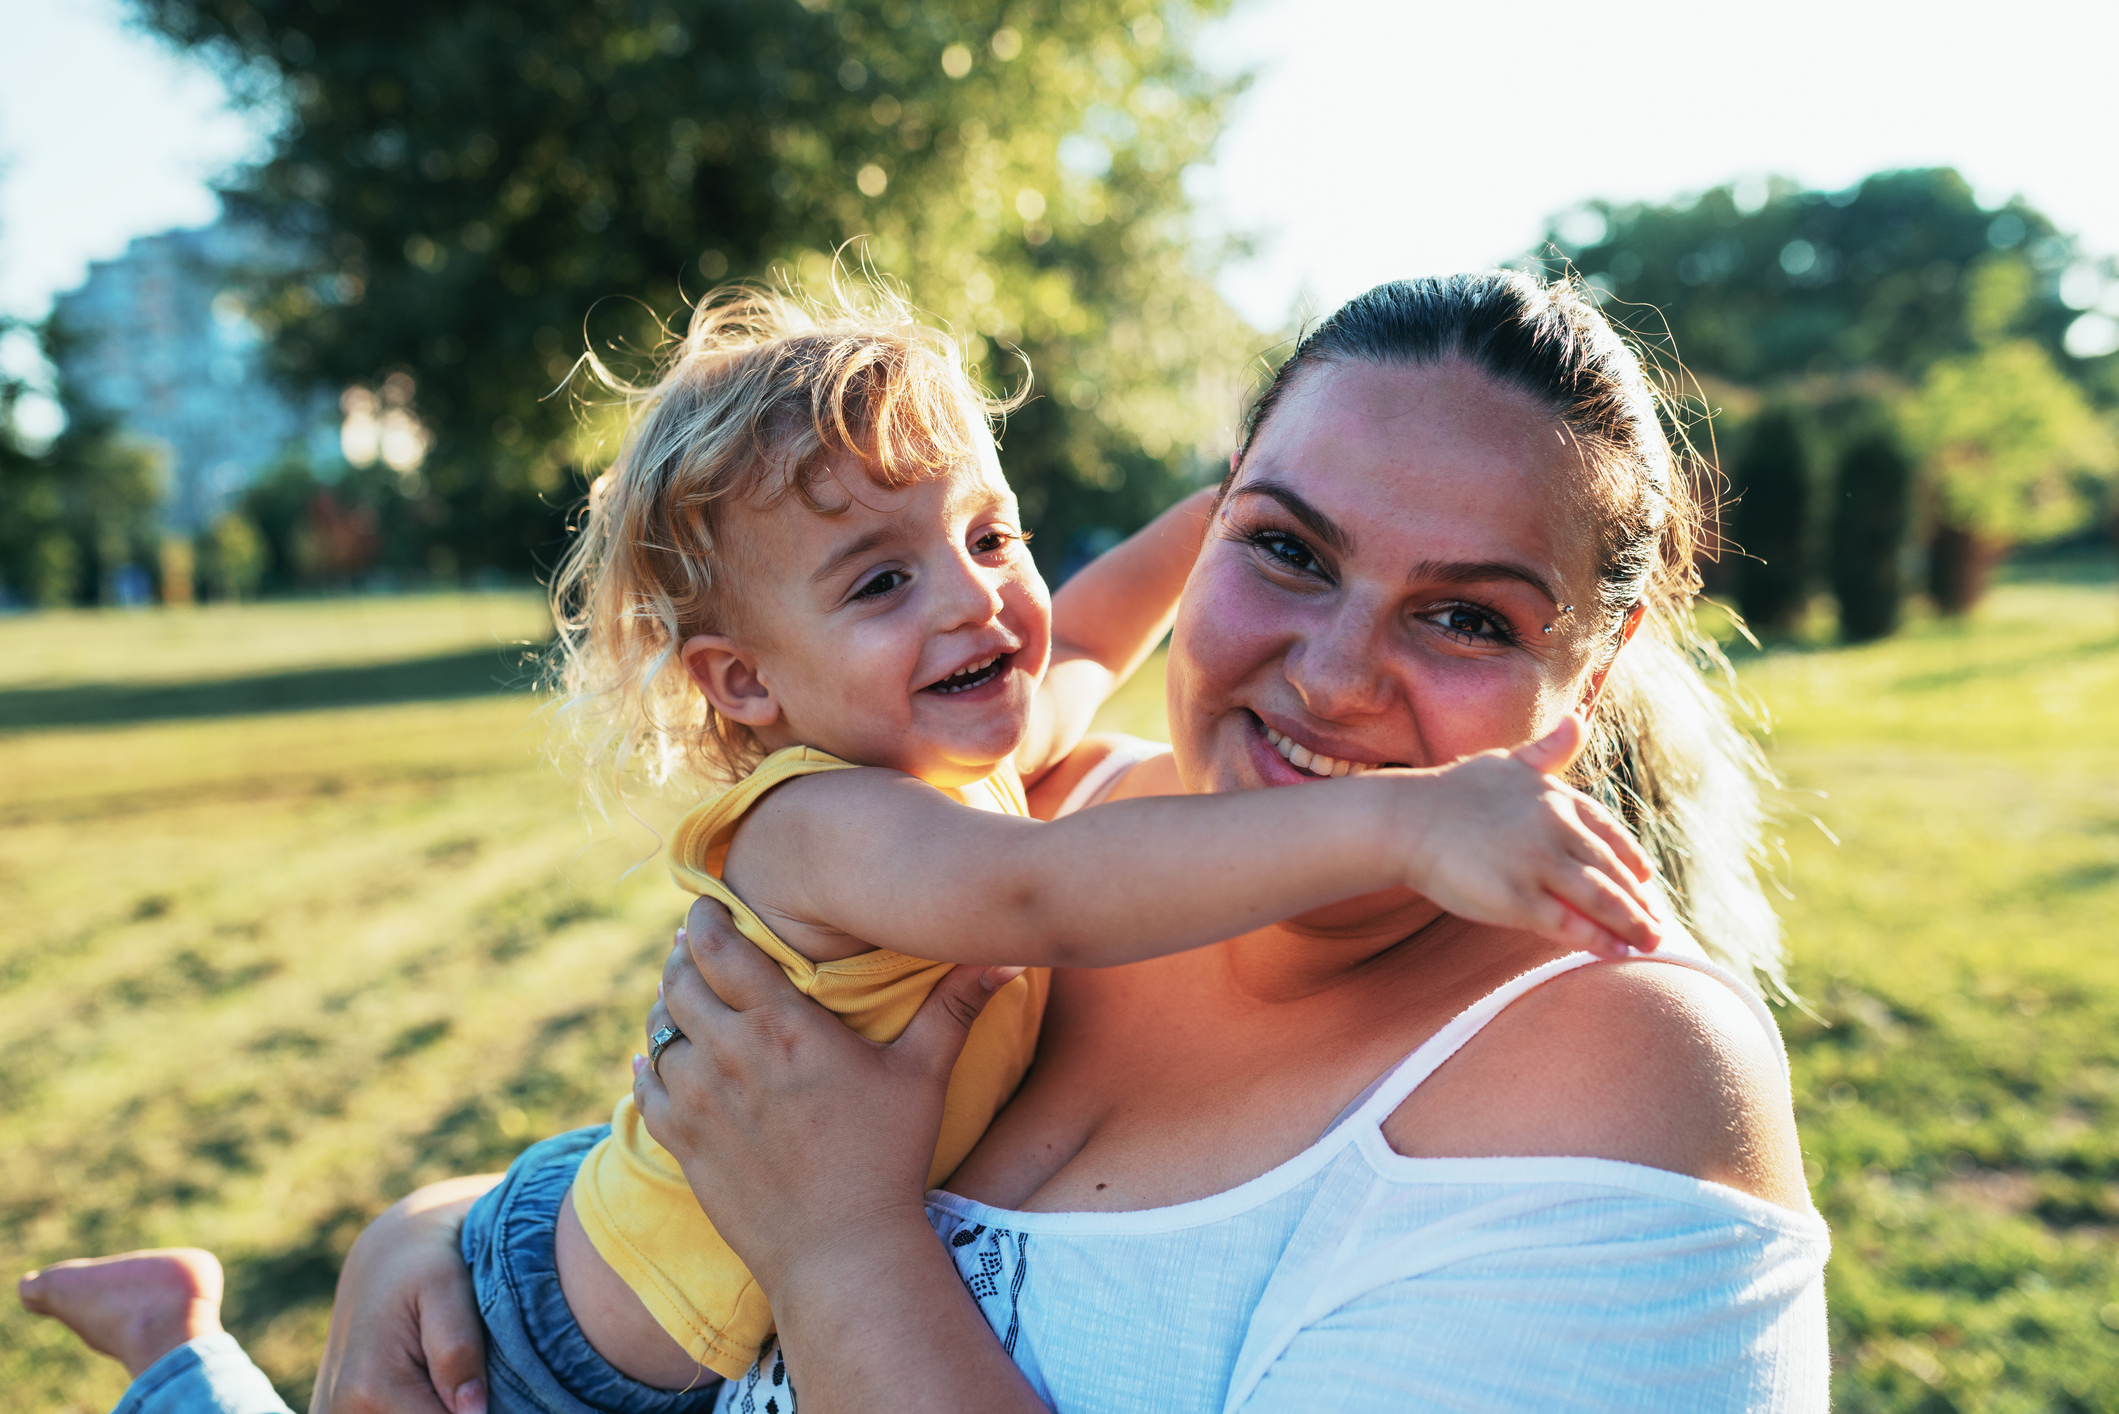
pixel 658 1043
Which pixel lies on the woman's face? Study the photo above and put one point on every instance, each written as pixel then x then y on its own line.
pixel 1377 587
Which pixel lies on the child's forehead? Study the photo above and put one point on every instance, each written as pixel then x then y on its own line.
pixel 847 487
pixel 849 499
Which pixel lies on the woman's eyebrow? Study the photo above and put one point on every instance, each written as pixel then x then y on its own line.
pixel 1313 520
pixel 1480 572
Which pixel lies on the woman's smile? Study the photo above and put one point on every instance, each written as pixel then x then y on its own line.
pixel 1308 761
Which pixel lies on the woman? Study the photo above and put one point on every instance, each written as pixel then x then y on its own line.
pixel 1299 1168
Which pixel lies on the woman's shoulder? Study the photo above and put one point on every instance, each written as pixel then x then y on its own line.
pixel 1643 1061
pixel 1106 766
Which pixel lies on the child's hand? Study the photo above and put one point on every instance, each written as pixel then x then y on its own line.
pixel 1501 841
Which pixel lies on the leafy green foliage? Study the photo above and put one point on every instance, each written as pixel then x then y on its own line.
pixel 491 188
pixel 1872 514
pixel 1891 275
pixel 1770 521
pixel 2010 443
pixel 75 516
pixel 1900 283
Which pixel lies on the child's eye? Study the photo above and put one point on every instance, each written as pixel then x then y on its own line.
pixel 993 542
pixel 881 584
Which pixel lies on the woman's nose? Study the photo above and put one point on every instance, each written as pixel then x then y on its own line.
pixel 1342 668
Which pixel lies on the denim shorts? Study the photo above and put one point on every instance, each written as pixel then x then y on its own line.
pixel 537 1359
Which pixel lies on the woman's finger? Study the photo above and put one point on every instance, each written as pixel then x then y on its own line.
pixel 935 1035
pixel 454 1341
pixel 736 970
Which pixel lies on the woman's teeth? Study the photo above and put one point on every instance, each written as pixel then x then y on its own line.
pixel 1315 762
pixel 964 679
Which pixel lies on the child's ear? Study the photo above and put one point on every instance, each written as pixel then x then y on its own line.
pixel 728 675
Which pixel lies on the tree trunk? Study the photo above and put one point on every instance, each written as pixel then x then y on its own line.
pixel 1960 564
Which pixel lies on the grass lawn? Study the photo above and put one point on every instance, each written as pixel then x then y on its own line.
pixel 268 959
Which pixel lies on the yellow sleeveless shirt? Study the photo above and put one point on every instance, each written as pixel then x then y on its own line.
pixel 630 1194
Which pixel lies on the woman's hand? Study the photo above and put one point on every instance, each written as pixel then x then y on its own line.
pixel 778 1111
pixel 405 1331
pixel 808 1146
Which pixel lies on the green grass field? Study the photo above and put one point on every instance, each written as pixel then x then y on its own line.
pixel 293 918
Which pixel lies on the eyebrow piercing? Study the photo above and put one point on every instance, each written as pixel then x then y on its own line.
pixel 1565 610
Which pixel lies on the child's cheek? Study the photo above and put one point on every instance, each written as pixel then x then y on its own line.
pixel 1030 608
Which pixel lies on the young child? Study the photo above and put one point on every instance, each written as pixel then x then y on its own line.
pixel 805 575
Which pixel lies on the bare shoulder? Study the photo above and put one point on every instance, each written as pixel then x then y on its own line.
pixel 1145 778
pixel 1051 789
pixel 831 810
pixel 1639 1061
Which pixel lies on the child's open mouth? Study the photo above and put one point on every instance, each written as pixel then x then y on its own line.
pixel 976 675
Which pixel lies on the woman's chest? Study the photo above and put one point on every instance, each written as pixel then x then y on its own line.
pixel 1146 1095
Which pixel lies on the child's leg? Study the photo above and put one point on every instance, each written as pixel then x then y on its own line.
pixel 135 1307
pixel 158 1313
pixel 537 1354
pixel 615 1320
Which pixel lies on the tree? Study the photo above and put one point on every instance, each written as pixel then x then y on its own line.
pixel 2011 448
pixel 1770 521
pixel 77 517
pixel 490 186
pixel 1875 291
pixel 1893 273
pixel 1872 516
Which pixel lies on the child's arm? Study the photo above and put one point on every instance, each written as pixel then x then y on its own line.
pixel 1105 622
pixel 1494 839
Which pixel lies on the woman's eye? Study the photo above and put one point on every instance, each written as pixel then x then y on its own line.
pixel 1469 625
pixel 879 585
pixel 1288 551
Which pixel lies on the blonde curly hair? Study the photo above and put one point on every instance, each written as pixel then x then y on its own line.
pixel 761 393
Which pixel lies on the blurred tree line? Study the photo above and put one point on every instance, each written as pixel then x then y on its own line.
pixel 1897 369
pixel 489 190
pixel 77 514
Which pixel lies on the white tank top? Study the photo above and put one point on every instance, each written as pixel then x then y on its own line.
pixel 1354 1278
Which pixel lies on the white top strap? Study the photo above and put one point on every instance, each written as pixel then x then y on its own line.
pixel 1390 1092
pixel 1381 1098
pixel 1126 753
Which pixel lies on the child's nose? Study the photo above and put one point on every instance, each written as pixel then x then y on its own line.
pixel 969 594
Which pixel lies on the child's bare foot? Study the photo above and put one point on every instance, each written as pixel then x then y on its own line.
pixel 135 1307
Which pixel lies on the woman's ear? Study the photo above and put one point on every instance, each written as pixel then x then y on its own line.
pixel 1627 630
pixel 728 675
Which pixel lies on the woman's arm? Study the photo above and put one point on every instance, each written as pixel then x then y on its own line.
pixel 1106 620
pixel 778 1112
pixel 405 1331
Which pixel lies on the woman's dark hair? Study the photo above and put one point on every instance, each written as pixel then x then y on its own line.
pixel 1663 752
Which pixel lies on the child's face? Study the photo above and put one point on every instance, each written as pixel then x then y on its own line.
pixel 909 630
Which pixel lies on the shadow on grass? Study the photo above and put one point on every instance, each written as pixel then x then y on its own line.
pixel 478 673
pixel 2009 668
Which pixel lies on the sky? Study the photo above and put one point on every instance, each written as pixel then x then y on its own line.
pixel 1380 138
